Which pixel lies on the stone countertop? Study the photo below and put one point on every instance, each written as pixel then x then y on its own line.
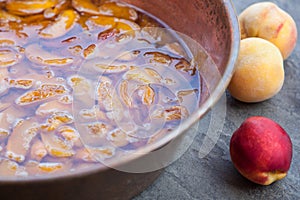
pixel 214 176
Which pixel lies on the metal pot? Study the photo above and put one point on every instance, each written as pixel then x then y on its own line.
pixel 213 24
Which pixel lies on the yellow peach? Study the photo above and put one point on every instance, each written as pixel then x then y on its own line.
pixel 266 20
pixel 259 73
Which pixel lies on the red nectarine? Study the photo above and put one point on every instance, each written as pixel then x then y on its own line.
pixel 261 150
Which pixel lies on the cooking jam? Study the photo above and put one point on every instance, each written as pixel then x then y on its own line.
pixel 84 81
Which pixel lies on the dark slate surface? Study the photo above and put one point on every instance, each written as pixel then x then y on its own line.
pixel 214 176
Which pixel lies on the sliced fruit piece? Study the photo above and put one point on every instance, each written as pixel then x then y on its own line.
pixel 85 6
pixel 20 139
pixel 56 146
pixel 36 54
pixel 38 150
pixel 45 91
pixel 63 24
pixel 28 7
pixel 117 10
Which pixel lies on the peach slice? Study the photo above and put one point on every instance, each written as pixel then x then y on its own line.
pixel 85 6
pixel 114 9
pixel 29 7
pixel 63 24
pixel 20 139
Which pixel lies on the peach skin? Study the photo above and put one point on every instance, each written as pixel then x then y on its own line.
pixel 267 21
